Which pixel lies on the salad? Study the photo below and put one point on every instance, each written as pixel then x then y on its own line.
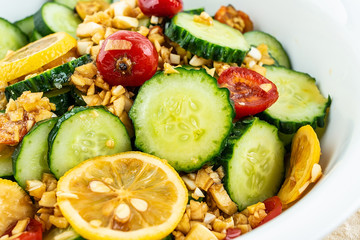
pixel 142 120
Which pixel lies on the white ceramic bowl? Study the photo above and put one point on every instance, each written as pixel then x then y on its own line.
pixel 321 38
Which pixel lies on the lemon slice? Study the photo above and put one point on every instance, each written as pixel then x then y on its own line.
pixel 35 55
pixel 130 195
pixel 305 154
pixel 15 204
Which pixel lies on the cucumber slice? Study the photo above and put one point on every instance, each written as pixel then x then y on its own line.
pixel 62 98
pixel 218 42
pixel 173 120
pixel 253 162
pixel 276 50
pixel 83 133
pixel 35 36
pixel 12 37
pixel 77 96
pixel 30 156
pixel 62 234
pixel 300 101
pixel 197 11
pixel 53 17
pixel 72 3
pixel 51 79
pixel 26 25
pixel 6 169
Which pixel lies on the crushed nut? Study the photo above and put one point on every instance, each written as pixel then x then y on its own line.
pixel 168 69
pixel 35 188
pixel 20 226
pixel 48 199
pixel 222 199
pixel 203 180
pixel 204 18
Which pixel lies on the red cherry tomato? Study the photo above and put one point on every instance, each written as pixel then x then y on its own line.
pixel 127 58
pixel 251 92
pixel 33 231
pixel 160 8
pixel 232 233
pixel 273 208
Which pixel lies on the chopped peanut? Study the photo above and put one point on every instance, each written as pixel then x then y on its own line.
pixel 222 199
pixel 256 214
pixel 124 22
pixel 122 8
pixel 184 224
pixel 168 69
pixel 59 222
pixel 199 231
pixel 204 18
pixel 222 225
pixel 48 199
pixel 203 180
pixel 20 226
pixel 198 210
pixel 88 29
pixel 244 228
pixel 35 188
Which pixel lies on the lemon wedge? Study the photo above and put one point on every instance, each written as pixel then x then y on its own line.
pixel 15 204
pixel 35 55
pixel 130 195
pixel 304 159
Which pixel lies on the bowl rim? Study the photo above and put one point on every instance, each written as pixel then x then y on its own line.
pixel 340 202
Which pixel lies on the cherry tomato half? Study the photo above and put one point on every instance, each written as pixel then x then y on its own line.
pixel 33 231
pixel 273 208
pixel 127 58
pixel 251 92
pixel 160 8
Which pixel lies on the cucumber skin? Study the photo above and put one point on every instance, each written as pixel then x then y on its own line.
pixel 48 80
pixel 17 150
pixel 62 101
pixel 78 99
pixel 26 25
pixel 197 11
pixel 40 24
pixel 290 127
pixel 22 38
pixel 285 60
pixel 201 47
pixel 239 129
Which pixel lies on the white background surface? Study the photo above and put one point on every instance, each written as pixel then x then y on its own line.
pixel 322 39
